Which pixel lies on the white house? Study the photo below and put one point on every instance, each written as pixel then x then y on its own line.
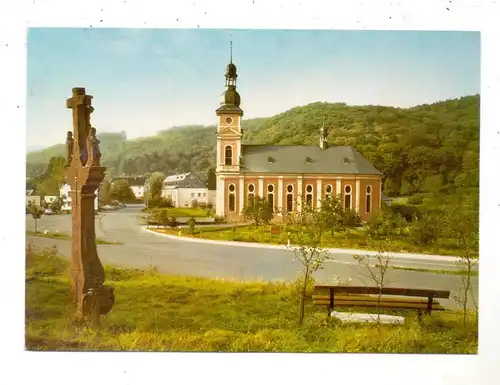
pixel 64 192
pixel 184 189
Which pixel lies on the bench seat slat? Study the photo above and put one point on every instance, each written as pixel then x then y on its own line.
pixel 371 298
pixel 321 289
pixel 374 304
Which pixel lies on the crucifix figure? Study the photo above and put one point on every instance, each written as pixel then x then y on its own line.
pixel 84 175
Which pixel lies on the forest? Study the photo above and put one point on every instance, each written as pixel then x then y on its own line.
pixel 424 149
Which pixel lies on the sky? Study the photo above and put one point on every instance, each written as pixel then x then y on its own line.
pixel 147 80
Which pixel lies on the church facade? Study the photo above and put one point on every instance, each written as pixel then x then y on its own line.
pixel 287 176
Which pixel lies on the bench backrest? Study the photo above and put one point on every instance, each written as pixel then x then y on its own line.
pixel 385 290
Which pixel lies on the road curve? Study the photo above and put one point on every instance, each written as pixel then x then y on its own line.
pixel 143 249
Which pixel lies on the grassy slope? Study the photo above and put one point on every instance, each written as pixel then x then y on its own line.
pixel 183 212
pixel 159 312
pixel 355 239
pixel 65 236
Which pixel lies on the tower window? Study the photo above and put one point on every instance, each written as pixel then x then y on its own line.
pixel 232 198
pixel 229 120
pixel 228 156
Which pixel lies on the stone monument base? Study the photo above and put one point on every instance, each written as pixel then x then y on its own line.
pixel 365 317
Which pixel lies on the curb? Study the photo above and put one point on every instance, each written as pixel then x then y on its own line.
pixel 428 257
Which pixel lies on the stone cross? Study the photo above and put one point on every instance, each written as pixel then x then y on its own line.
pixel 84 174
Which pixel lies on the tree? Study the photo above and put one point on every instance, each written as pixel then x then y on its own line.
pixel 376 270
pixel 211 179
pixel 121 191
pixel 306 228
pixel 105 192
pixel 333 214
pixel 462 224
pixel 258 211
pixel 155 183
pixel 191 223
pixel 57 204
pixel 36 212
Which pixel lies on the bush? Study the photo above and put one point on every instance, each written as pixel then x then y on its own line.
pixel 203 205
pixel 408 212
pixel 385 223
pixel 191 223
pixel 173 223
pixel 210 206
pixel 425 231
pixel 195 204
pixel 351 219
pixel 416 199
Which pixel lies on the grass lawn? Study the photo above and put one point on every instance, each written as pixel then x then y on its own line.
pixel 157 312
pixel 98 241
pixel 354 239
pixel 183 212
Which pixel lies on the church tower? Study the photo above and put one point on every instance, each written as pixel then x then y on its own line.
pixel 229 131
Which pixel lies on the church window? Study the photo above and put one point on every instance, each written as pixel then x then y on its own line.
pixel 251 192
pixel 228 156
pixel 368 202
pixel 328 191
pixel 270 196
pixel 289 198
pixel 309 195
pixel 347 197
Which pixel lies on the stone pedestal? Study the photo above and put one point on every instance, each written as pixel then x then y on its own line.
pixel 84 174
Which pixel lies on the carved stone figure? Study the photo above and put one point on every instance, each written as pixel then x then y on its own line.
pixel 70 144
pixel 94 154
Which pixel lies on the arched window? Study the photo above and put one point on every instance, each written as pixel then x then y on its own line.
pixel 270 196
pixel 232 198
pixel 368 200
pixel 328 191
pixel 347 197
pixel 289 198
pixel 309 195
pixel 228 155
pixel 251 193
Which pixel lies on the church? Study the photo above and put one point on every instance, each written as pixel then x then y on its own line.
pixel 287 176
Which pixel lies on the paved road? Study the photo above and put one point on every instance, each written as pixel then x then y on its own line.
pixel 142 249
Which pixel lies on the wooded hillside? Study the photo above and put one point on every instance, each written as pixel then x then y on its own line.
pixel 425 148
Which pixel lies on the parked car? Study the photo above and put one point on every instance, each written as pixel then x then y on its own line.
pixel 48 212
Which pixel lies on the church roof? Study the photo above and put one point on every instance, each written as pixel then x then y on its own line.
pixel 305 160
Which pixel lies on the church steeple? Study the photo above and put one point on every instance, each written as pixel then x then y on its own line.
pixel 230 98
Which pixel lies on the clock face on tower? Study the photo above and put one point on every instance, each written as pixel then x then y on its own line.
pixel 229 120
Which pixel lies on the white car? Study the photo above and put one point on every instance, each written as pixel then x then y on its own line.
pixel 48 212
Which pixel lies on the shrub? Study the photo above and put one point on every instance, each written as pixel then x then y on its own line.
pixel 195 204
pixel 416 199
pixel 385 223
pixel 173 223
pixel 425 231
pixel 191 223
pixel 351 219
pixel 408 212
pixel 210 206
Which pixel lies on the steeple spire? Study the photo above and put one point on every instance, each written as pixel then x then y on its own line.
pixel 231 51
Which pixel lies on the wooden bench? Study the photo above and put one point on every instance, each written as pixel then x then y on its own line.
pixel 390 297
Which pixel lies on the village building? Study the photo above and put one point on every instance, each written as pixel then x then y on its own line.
pixel 186 190
pixel 64 192
pixel 287 176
